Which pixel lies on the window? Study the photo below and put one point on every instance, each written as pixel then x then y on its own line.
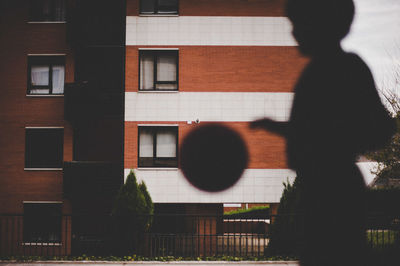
pixel 158 70
pixel 42 223
pixel 46 10
pixel 46 75
pixel 44 147
pixel 158 146
pixel 163 7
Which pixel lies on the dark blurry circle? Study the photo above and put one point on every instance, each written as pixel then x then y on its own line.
pixel 213 157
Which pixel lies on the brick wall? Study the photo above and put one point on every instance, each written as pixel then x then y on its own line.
pixel 20 38
pixel 221 7
pixel 229 68
pixel 266 150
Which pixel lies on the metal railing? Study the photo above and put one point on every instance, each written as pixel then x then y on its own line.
pixel 14 240
pixel 383 231
pixel 196 236
pixel 187 236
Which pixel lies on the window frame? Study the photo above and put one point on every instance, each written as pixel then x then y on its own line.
pixel 27 161
pixel 155 53
pixel 28 234
pixel 43 20
pixel 156 160
pixel 157 9
pixel 45 60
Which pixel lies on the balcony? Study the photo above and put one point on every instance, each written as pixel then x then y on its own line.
pixel 83 102
pixel 91 180
pixel 95 23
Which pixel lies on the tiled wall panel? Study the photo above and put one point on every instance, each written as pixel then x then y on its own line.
pixel 198 30
pixel 221 8
pixel 206 106
pixel 255 186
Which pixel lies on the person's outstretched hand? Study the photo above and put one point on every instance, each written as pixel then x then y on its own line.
pixel 264 123
pixel 269 125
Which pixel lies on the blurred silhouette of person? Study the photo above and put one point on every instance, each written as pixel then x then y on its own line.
pixel 336 115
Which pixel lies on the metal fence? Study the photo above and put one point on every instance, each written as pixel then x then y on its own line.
pixel 14 239
pixel 383 231
pixel 195 236
pixel 165 235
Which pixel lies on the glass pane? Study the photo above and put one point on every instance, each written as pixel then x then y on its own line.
pixel 146 72
pixel 58 79
pixel 39 91
pixel 47 10
pixel 42 222
pixel 166 86
pixel 166 143
pixel 40 75
pixel 59 10
pixel 168 6
pixel 35 10
pixel 147 6
pixel 166 68
pixel 44 148
pixel 146 143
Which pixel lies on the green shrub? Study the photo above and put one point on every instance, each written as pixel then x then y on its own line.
pixel 132 211
pixel 258 212
pixel 286 229
pixel 133 198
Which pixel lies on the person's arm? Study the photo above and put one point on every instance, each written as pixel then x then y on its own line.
pixel 273 126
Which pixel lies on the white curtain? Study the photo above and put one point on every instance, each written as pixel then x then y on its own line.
pixel 146 72
pixel 39 77
pixel 166 71
pixel 58 79
pixel 166 144
pixel 146 144
pixel 166 68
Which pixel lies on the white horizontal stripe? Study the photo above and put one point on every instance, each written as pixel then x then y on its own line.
pixel 42 201
pixel 201 30
pixel 163 49
pixel 207 106
pixel 44 127
pixel 46 22
pixel 255 186
pixel 158 125
pixel 44 95
pixel 46 54
pixel 232 205
pixel 43 169
pixel 46 244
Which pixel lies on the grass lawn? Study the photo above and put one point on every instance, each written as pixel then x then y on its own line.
pixel 382 237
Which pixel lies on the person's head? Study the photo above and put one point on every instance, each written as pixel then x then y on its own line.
pixel 319 24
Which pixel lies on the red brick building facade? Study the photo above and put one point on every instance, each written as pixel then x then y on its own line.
pixel 230 62
pixel 93 89
pixel 61 119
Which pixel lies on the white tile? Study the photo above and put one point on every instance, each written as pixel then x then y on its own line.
pixel 209 31
pixel 207 106
pixel 166 186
